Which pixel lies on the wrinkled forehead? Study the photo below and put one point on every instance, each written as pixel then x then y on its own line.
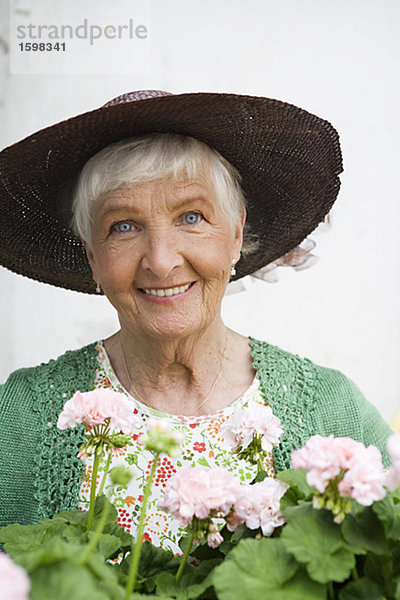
pixel 182 186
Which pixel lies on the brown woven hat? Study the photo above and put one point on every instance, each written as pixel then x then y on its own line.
pixel 289 161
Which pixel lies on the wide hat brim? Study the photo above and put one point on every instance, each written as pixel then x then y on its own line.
pixel 289 161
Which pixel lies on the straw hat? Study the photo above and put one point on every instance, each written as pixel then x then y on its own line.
pixel 289 161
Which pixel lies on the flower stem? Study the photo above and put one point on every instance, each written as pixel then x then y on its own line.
pixel 184 558
pixel 97 533
pixel 103 481
pixel 139 534
pixel 331 594
pixel 260 466
pixel 355 574
pixel 93 489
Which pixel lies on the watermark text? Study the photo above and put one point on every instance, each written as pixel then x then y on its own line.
pixel 84 31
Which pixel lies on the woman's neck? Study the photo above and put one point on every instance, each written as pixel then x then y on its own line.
pixel 174 376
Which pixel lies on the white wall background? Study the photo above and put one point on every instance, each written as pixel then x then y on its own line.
pixel 337 58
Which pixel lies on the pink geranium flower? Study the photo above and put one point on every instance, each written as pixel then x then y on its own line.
pixel 393 474
pixel 345 449
pixel 254 419
pixel 320 458
pixel 364 477
pixel 214 538
pixel 360 468
pixel 93 408
pixel 259 506
pixel 15 582
pixel 200 492
pixel 393 448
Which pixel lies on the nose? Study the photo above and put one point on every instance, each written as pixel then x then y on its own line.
pixel 161 254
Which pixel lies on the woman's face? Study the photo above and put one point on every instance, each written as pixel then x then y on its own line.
pixel 162 252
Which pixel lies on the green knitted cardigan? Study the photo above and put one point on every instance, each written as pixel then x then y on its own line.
pixel 41 475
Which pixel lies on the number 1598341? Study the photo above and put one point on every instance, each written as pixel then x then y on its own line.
pixel 42 47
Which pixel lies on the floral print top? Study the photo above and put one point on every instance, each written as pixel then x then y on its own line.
pixel 203 445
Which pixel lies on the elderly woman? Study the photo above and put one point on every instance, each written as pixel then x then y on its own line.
pixel 159 186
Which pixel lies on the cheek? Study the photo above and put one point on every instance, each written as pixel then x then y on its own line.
pixel 116 271
pixel 211 258
pixel 212 267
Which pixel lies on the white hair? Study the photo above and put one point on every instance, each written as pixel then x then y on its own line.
pixel 148 158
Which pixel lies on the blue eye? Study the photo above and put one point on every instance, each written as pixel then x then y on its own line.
pixel 123 227
pixel 192 218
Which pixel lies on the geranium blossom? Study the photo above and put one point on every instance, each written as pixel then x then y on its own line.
pixel 259 506
pixel 393 448
pixel 162 437
pixel 214 538
pixel 15 582
pixel 200 492
pixel 326 458
pixel 364 478
pixel 322 460
pixel 393 474
pixel 254 419
pixel 93 408
pixel 160 426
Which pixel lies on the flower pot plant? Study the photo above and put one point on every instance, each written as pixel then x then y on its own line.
pixel 327 529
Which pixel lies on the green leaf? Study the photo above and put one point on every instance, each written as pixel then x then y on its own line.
pixel 191 585
pixel 291 503
pixel 68 526
pixel 107 577
pixel 298 482
pixel 365 533
pixel 137 596
pixel 204 552
pixel 380 568
pixel 107 545
pixel 258 569
pixel 75 533
pixel 396 561
pixel 261 475
pixel 54 551
pixel 388 512
pixel 198 574
pixel 203 462
pixel 65 581
pixel 395 495
pixel 57 565
pixel 154 560
pixel 288 500
pixel 81 516
pixel 231 539
pixel 300 511
pixel 316 541
pixel 363 589
pixel 77 517
pixel 117 531
pixel 397 591
pixel 23 538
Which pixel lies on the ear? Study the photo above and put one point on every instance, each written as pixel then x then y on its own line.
pixel 90 258
pixel 238 239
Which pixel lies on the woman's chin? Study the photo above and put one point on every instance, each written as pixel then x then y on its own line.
pixel 165 331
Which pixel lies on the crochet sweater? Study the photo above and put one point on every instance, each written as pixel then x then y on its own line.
pixel 40 473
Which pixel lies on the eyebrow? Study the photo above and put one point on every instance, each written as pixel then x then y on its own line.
pixel 115 209
pixel 200 199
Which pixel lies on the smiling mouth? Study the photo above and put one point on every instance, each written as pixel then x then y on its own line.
pixel 161 293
